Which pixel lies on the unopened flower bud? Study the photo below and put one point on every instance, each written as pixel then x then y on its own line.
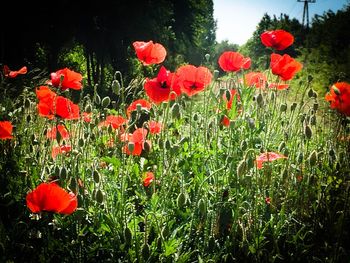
pixel 105 102
pixel 313 158
pixel 307 132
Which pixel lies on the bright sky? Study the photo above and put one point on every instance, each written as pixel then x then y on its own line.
pixel 237 19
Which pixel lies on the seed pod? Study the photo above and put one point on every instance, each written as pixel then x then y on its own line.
pixel 99 196
pixel 131 146
pixel 307 132
pixel 216 74
pixel 96 176
pixel 181 200
pixel 310 93
pixel 313 158
pixel 207 57
pixel 106 101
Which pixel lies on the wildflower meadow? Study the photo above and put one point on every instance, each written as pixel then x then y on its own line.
pixel 182 166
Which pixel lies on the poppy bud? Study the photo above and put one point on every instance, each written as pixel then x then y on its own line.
pixel 310 93
pixel 145 251
pixel 195 117
pixel 27 103
pixel 307 132
pixel 96 176
pixel 272 96
pixel 73 185
pixel 283 107
pixel 286 152
pixel 241 168
pixel 293 106
pixel 175 110
pixel 99 196
pixel 202 207
pixel 81 142
pixel 207 57
pixel 251 123
pixel 260 100
pixel 88 108
pixel 63 173
pixel 97 99
pixel 313 120
pixel 105 102
pixel 244 145
pixel 127 235
pixel 146 146
pixel 331 152
pixel 315 107
pixel 116 86
pixel 313 158
pixel 131 146
pixel 29 118
pixel 181 200
pixel 250 162
pixel 167 145
pixel 300 157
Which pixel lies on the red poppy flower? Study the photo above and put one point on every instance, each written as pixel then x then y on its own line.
pixel 268 157
pixel 225 121
pixel 284 66
pixel 145 105
pixel 56 150
pixel 160 88
pixel 233 95
pixel 12 74
pixel 278 39
pixel 51 197
pixel 149 53
pixel 71 79
pixel 256 79
pixel 193 80
pixel 6 130
pixel 155 127
pixel 137 139
pixel 50 105
pixel 278 86
pixel 52 132
pixel 339 97
pixel 87 116
pixel 231 61
pixel 148 178
pixel 114 121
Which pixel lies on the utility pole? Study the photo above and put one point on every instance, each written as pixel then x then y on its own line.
pixel 306 11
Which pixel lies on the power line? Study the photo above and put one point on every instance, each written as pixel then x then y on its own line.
pixel 306 11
